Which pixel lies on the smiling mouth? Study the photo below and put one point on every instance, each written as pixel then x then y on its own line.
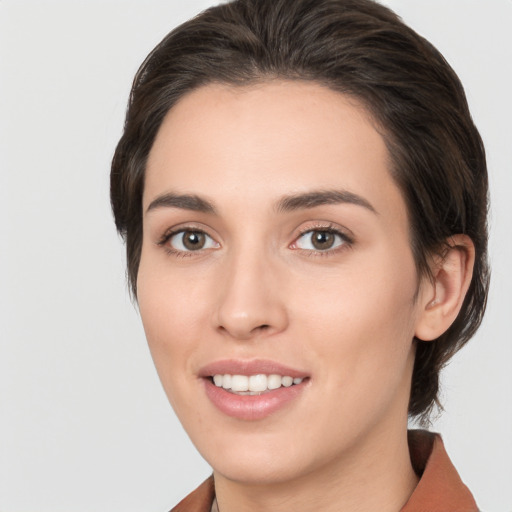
pixel 253 384
pixel 252 390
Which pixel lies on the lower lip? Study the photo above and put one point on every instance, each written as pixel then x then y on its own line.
pixel 251 407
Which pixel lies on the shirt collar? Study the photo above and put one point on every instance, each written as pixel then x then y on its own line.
pixel 440 488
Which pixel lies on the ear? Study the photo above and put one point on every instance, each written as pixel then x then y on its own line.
pixel 442 297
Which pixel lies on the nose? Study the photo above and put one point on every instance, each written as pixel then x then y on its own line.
pixel 251 301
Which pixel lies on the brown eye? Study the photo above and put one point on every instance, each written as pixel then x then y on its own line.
pixel 190 240
pixel 193 240
pixel 320 240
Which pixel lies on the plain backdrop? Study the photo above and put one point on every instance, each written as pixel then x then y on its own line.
pixel 84 423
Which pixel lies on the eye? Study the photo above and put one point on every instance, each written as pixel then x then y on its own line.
pixel 188 240
pixel 320 240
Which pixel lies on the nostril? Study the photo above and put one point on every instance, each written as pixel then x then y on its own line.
pixel 263 327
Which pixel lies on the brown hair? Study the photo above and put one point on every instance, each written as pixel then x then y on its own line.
pixel 359 48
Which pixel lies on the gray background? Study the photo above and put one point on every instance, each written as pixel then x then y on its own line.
pixel 84 424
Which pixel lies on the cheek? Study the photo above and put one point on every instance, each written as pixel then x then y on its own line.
pixel 173 330
pixel 362 321
pixel 374 292
pixel 171 300
pixel 173 308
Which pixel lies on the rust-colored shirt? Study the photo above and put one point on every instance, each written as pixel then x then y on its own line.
pixel 440 488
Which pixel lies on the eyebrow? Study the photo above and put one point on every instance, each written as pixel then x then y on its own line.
pixel 320 198
pixel 285 204
pixel 183 201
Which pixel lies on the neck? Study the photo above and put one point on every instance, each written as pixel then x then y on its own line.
pixel 376 475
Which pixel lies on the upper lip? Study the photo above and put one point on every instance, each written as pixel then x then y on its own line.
pixel 249 367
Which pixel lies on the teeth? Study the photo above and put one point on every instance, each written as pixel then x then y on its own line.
pixel 240 383
pixel 257 383
pixel 254 383
pixel 274 381
pixel 287 381
pixel 226 381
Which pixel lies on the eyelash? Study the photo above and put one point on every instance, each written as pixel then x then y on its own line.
pixel 347 241
pixel 163 242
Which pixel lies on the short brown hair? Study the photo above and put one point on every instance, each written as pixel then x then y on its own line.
pixel 359 48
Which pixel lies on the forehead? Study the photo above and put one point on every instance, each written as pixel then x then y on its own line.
pixel 269 139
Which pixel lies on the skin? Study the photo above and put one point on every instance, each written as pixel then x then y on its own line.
pixel 346 316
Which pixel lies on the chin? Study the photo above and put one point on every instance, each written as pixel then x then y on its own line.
pixel 264 457
pixel 259 469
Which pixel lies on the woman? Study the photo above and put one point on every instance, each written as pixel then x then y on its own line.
pixel 303 196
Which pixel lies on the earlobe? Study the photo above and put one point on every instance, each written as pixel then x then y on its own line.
pixel 442 299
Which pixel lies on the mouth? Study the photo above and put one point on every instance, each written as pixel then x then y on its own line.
pixel 253 385
pixel 252 390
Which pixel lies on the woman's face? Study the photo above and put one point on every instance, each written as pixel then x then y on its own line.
pixel 276 245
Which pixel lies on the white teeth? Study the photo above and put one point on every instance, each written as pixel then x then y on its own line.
pixel 239 383
pixel 254 383
pixel 226 381
pixel 287 381
pixel 257 383
pixel 274 381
